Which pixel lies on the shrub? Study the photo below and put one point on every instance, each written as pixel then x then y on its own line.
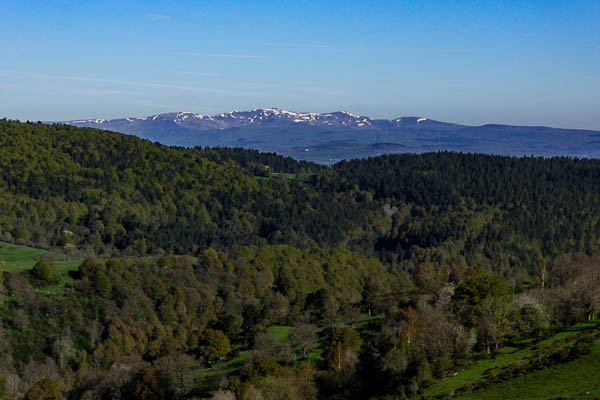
pixel 43 271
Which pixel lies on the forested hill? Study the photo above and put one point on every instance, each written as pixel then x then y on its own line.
pixel 119 193
pixel 549 203
pixel 105 193
pixel 192 272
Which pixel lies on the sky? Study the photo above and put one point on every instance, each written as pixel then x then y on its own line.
pixel 472 62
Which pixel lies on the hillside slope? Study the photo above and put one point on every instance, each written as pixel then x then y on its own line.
pixel 568 366
pixel 119 192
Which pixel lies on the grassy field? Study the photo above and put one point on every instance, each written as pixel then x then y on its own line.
pixel 579 379
pixel 573 379
pixel 19 258
pixel 280 333
pixel 281 336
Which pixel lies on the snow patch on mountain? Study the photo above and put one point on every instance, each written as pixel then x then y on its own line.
pixel 272 117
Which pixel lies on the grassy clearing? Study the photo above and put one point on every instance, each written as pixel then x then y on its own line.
pixel 19 258
pixel 475 372
pixel 576 379
pixel 281 336
pixel 532 382
pixel 231 368
pixel 280 333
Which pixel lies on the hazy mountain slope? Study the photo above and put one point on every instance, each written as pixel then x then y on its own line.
pixel 329 137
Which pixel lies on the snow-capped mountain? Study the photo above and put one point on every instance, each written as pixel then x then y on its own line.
pixel 236 119
pixel 338 135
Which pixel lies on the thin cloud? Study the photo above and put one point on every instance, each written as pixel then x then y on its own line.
pixel 153 85
pixel 196 73
pixel 309 45
pixel 274 92
pixel 312 46
pixel 102 92
pixel 321 91
pixel 224 55
pixel 158 17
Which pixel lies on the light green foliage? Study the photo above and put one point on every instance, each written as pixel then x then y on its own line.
pixel 43 271
pixel 103 284
pixel 480 285
pixel 424 375
pixel 46 389
pixel 215 345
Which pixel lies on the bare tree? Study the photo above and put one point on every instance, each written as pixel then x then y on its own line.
pixel 224 395
pixel 586 289
pixel 304 337
pixel 331 312
pixel 178 369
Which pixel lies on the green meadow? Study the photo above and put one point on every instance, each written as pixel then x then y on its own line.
pixel 19 258
pixel 579 378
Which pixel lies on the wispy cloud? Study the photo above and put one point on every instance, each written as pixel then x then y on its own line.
pixel 224 55
pixel 98 86
pixel 310 46
pixel 102 92
pixel 142 84
pixel 158 17
pixel 196 73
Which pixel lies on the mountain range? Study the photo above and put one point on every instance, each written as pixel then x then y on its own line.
pixel 330 137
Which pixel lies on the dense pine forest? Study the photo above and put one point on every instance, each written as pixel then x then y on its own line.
pixel 233 274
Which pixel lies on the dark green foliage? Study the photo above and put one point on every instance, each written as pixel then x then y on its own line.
pixel 214 345
pixel 102 284
pixel 259 163
pixel 43 271
pixel 118 192
pixel 262 368
pixel 147 385
pixel 504 211
pixel 479 286
pixel 3 393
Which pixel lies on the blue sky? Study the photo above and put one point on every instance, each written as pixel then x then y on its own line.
pixel 473 62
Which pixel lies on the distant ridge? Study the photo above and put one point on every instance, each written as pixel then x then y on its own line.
pixel 256 117
pixel 317 137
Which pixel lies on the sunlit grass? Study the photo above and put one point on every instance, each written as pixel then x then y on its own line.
pixel 509 355
pixel 19 258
